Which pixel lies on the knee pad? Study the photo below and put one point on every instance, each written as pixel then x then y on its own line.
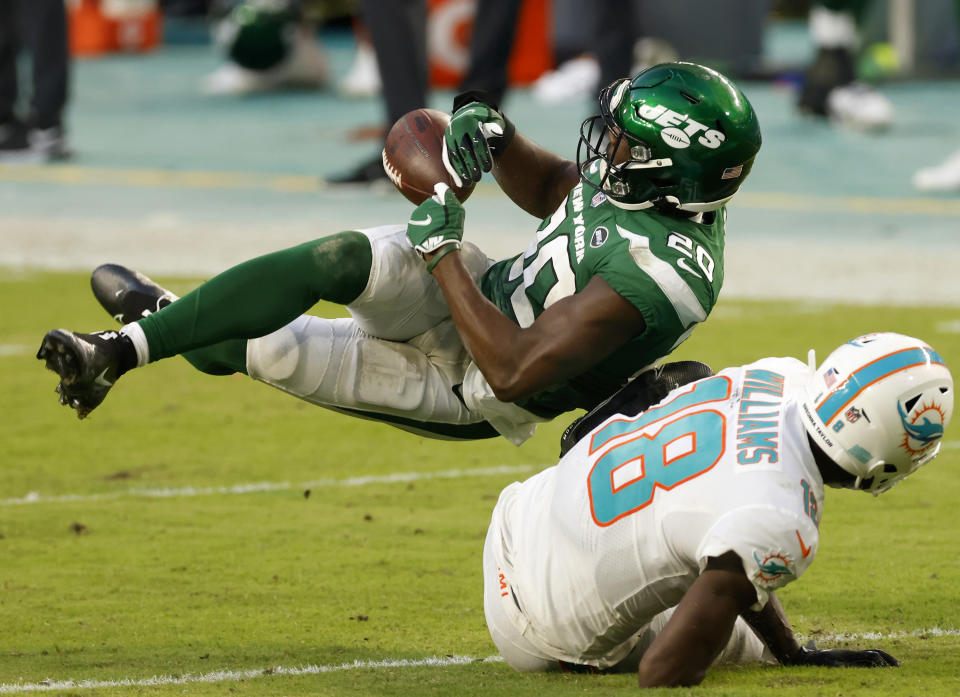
pixel 295 358
pixel 389 374
pixel 332 363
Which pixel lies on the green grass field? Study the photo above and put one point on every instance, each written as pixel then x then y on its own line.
pixel 130 549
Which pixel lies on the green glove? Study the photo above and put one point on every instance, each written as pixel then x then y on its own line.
pixel 437 222
pixel 475 133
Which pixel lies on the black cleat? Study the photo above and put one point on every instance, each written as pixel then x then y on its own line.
pixel 126 294
pixel 88 366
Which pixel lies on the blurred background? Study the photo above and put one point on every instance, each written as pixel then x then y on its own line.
pixel 182 136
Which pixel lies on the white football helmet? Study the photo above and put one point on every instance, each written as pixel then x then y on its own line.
pixel 878 407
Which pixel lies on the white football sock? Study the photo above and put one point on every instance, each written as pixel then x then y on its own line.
pixel 133 332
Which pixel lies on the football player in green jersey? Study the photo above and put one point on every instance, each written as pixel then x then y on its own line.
pixel 628 259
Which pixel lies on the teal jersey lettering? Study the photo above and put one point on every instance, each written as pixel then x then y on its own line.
pixel 669 268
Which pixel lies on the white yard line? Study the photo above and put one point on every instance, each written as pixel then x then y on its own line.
pixel 256 487
pixel 226 675
pixel 879 636
pixel 7 350
pixel 235 675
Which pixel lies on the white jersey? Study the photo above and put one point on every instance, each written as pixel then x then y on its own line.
pixel 596 546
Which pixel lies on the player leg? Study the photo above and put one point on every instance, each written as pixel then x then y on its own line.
pixel 9 49
pixel 258 296
pixel 244 302
pixel 128 296
pixel 503 614
pixel 330 363
pixel 490 47
pixel 376 271
pixel 398 360
pixel 831 87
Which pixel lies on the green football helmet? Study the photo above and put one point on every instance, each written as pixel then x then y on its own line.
pixel 677 136
pixel 255 34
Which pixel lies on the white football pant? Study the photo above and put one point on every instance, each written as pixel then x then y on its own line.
pixel 397 359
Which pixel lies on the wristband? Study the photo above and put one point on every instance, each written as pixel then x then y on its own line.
pixel 471 96
pixel 501 143
pixel 447 248
pixel 483 97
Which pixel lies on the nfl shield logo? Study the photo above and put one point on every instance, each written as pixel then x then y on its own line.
pixel 599 236
pixel 852 414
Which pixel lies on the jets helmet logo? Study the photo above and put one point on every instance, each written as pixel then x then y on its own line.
pixel 679 129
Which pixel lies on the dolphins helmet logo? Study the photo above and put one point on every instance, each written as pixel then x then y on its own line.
pixel 922 426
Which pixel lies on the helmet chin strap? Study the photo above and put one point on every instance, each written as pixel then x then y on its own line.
pixel 601 169
pixel 649 164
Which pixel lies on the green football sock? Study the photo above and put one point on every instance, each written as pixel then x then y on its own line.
pixel 225 358
pixel 212 323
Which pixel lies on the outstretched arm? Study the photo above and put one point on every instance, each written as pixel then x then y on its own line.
pixel 773 628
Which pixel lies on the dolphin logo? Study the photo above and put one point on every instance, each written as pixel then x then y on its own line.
pixel 926 431
pixel 771 566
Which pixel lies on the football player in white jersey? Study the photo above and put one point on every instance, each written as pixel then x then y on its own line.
pixel 704 505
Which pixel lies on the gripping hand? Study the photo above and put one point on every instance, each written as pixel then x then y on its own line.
pixel 810 655
pixel 436 223
pixel 476 132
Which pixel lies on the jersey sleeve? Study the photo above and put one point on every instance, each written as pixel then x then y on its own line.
pixel 654 282
pixel 775 546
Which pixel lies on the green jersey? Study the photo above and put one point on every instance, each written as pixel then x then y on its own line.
pixel 669 268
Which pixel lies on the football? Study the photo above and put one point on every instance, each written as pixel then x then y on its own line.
pixel 413 155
